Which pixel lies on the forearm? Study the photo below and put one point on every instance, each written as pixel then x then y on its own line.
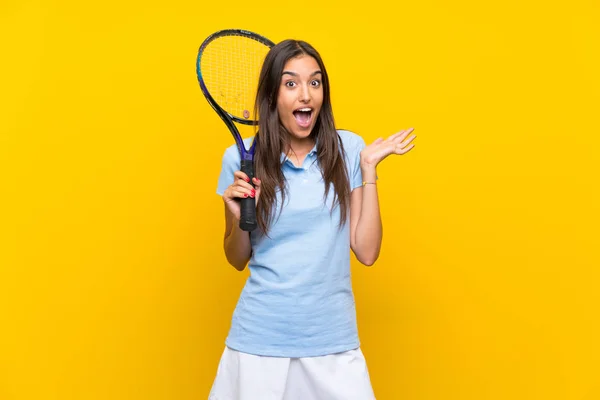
pixel 369 230
pixel 236 243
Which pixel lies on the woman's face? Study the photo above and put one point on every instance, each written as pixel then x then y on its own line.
pixel 300 96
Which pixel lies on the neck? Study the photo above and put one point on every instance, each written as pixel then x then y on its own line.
pixel 301 147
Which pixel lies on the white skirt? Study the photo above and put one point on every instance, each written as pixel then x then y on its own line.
pixel 341 376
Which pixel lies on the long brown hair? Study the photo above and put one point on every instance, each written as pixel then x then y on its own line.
pixel 272 139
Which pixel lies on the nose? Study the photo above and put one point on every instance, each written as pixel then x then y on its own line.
pixel 304 95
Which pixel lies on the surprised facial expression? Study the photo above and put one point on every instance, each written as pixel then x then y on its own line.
pixel 300 96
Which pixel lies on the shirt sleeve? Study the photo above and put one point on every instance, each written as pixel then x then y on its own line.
pixel 231 163
pixel 356 173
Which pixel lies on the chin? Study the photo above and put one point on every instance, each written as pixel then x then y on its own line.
pixel 300 133
pixel 303 134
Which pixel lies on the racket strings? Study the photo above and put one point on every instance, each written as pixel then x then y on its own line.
pixel 230 69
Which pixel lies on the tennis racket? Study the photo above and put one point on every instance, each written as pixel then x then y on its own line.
pixel 228 68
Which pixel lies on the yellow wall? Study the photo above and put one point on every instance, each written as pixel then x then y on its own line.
pixel 113 284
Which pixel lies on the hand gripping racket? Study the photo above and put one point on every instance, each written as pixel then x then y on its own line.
pixel 228 68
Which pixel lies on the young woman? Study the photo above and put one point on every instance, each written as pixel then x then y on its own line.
pixel 293 334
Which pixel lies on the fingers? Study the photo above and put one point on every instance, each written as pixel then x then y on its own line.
pixel 405 146
pixel 241 187
pixel 396 138
pixel 403 150
pixel 400 136
pixel 241 175
pixel 407 141
pixel 237 192
pixel 401 142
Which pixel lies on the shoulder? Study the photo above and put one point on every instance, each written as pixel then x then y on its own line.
pixel 352 142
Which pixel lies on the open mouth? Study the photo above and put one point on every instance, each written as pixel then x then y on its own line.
pixel 304 116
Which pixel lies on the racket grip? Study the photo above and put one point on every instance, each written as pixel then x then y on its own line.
pixel 248 205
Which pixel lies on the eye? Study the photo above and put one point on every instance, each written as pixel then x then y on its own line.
pixel 290 84
pixel 315 83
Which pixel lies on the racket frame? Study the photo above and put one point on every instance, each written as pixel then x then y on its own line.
pixel 248 206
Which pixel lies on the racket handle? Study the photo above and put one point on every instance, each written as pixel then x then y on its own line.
pixel 248 205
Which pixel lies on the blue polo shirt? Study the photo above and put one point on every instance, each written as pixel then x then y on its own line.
pixel 298 300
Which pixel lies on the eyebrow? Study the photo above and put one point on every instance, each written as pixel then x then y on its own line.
pixel 296 75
